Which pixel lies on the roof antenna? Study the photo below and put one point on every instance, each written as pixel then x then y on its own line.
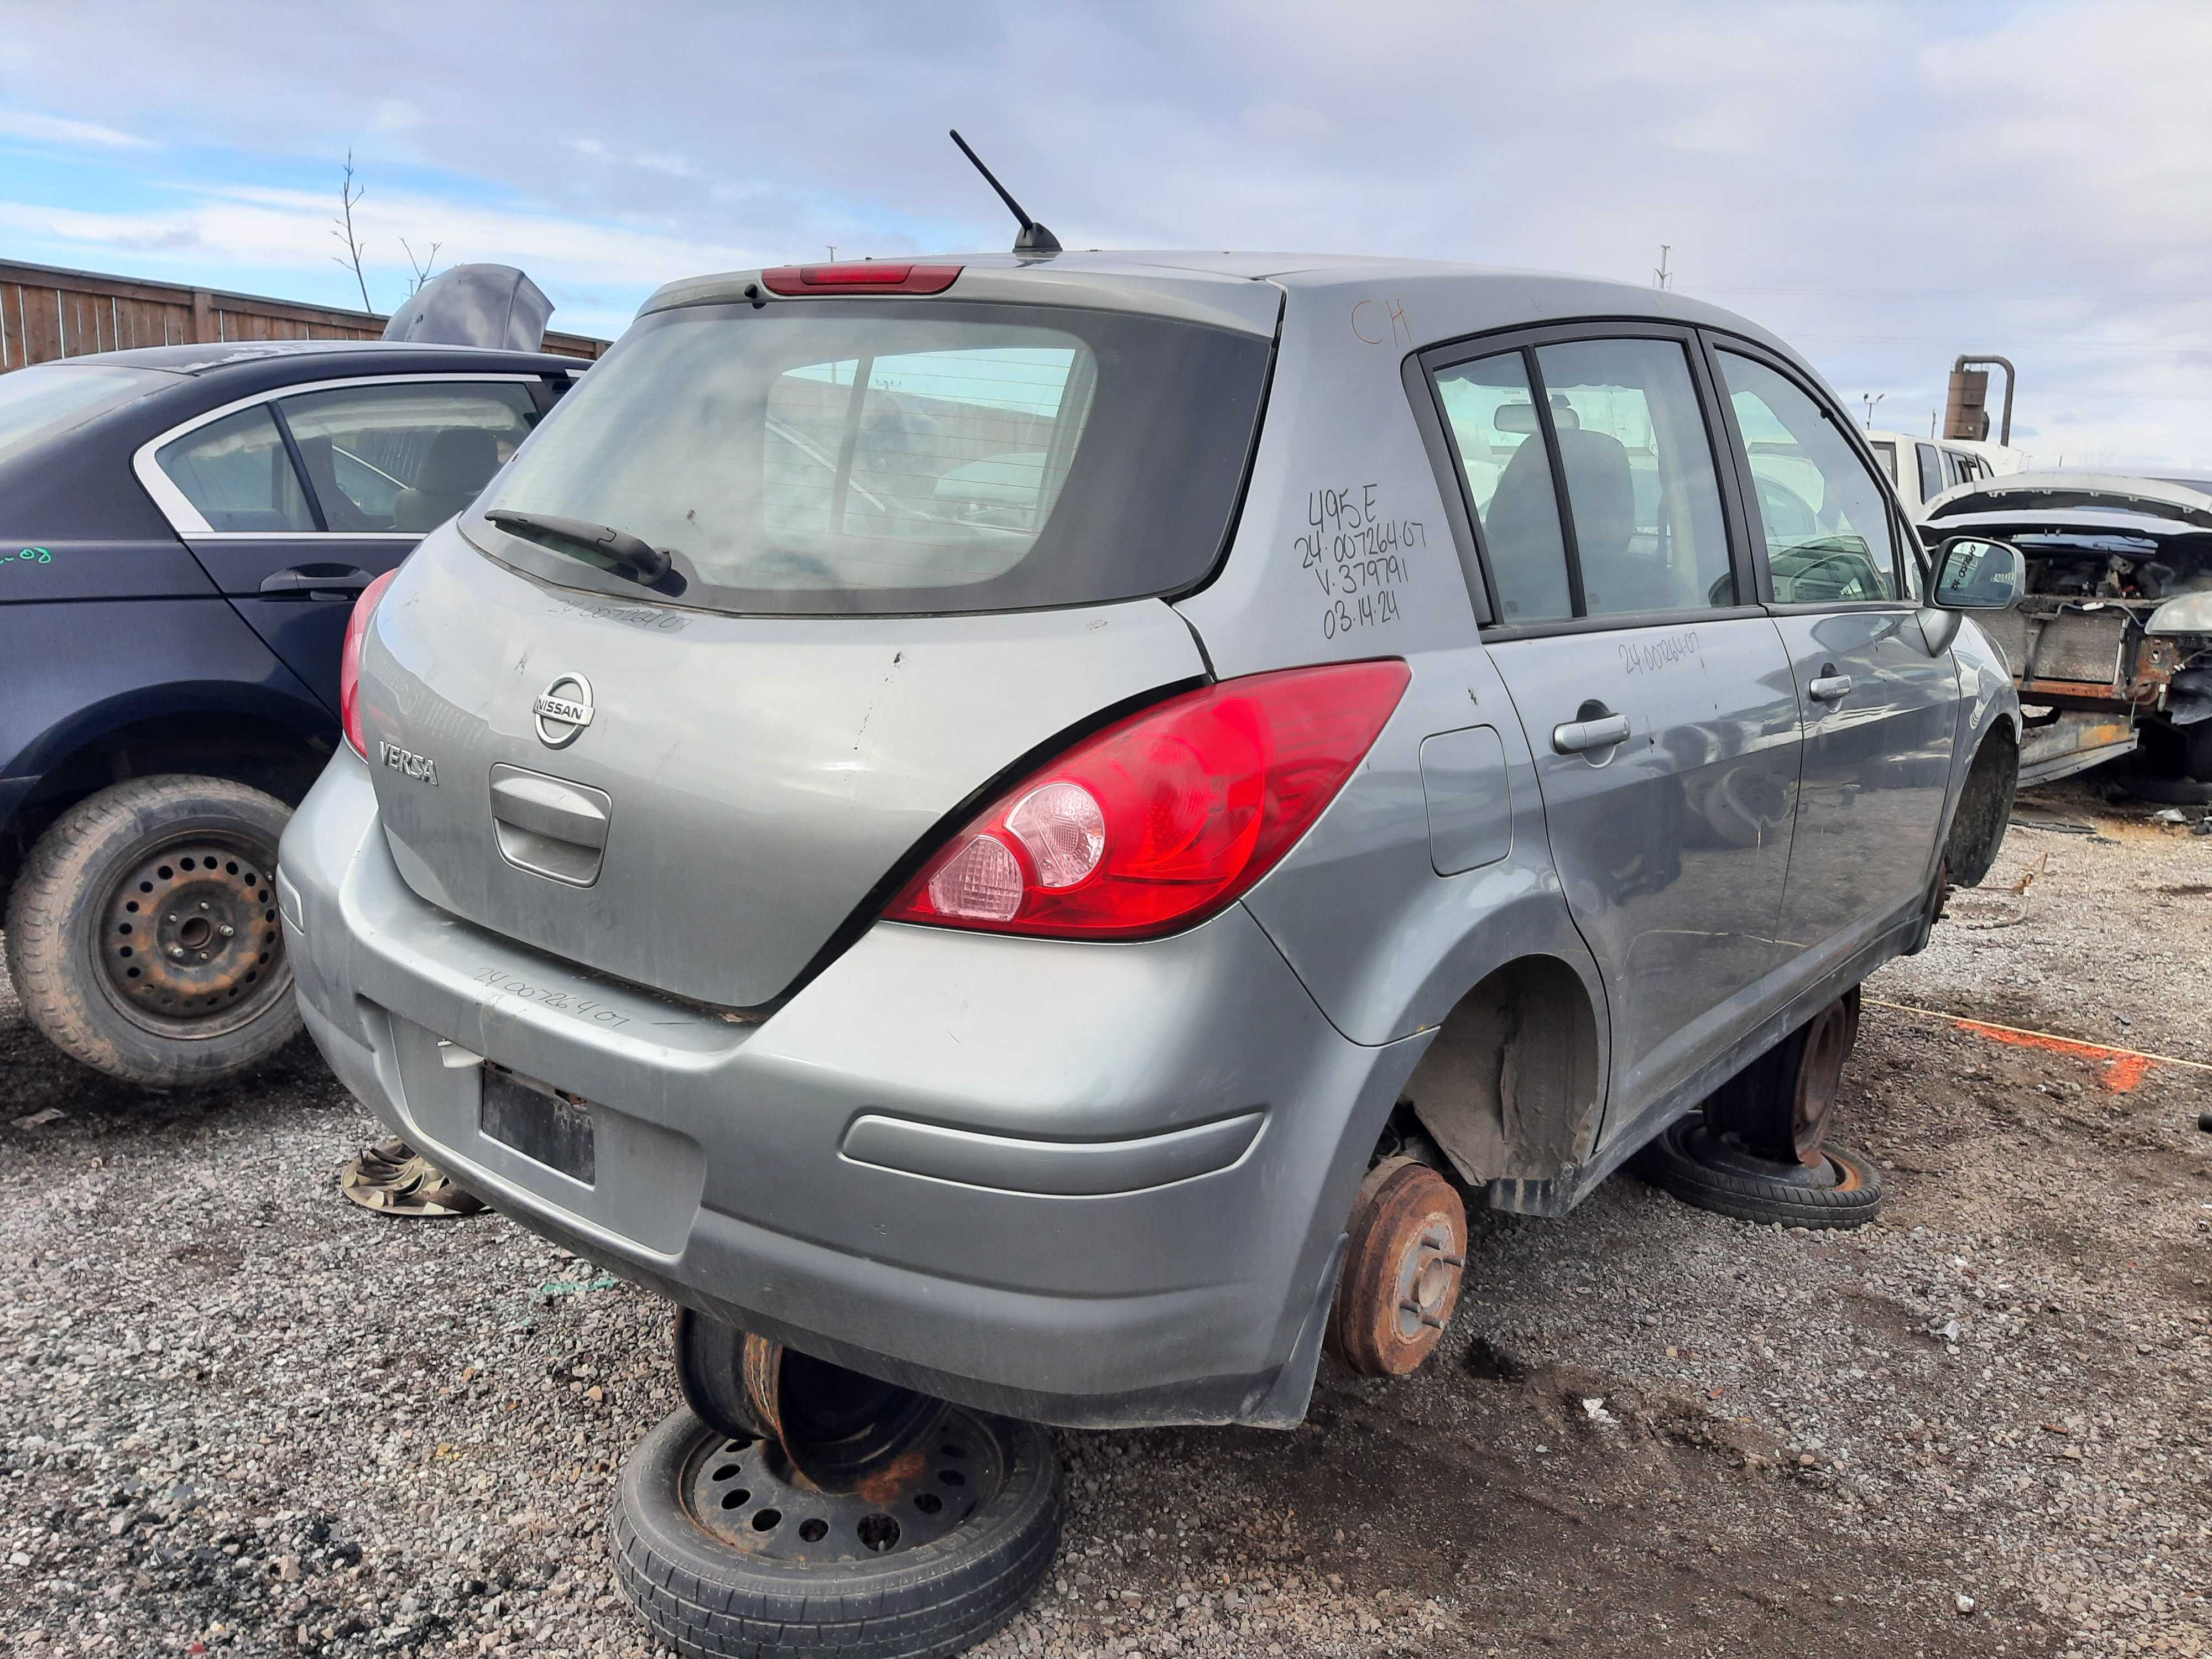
pixel 1035 238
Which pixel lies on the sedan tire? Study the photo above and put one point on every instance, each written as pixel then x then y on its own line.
pixel 727 1552
pixel 143 935
pixel 1715 1172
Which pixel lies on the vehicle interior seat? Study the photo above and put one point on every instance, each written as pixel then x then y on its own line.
pixel 340 513
pixel 1521 529
pixel 1601 486
pixel 462 459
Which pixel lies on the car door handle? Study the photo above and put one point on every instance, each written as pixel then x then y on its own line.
pixel 1830 686
pixel 1578 737
pixel 316 582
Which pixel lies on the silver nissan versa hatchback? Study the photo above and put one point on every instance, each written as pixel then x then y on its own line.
pixel 1031 828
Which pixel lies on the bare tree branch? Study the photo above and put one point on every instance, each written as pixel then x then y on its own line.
pixel 342 228
pixel 424 268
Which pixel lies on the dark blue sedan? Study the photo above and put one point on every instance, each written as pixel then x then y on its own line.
pixel 183 532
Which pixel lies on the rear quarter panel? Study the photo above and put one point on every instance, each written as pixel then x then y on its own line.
pixel 1345 550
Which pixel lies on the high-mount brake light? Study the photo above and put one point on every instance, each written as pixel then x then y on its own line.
pixel 1166 816
pixel 859 276
pixel 349 662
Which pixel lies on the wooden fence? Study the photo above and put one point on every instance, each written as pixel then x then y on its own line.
pixel 46 312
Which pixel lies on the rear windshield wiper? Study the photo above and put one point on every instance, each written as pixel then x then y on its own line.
pixel 566 535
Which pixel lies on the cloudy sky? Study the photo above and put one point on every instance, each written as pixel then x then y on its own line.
pixel 1886 186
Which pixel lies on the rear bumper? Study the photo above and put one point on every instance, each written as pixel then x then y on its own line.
pixel 1089 1184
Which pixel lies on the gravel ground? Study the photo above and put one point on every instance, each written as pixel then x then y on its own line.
pixel 237 1415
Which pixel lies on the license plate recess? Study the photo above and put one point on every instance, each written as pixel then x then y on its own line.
pixel 539 1121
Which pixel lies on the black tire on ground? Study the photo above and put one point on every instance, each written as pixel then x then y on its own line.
pixel 116 887
pixel 1714 1173
pixel 2165 790
pixel 1985 809
pixel 1778 1106
pixel 710 1600
pixel 2178 751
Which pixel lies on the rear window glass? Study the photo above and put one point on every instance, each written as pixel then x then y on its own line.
pixel 841 457
pixel 42 401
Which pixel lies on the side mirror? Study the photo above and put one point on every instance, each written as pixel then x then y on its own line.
pixel 1975 575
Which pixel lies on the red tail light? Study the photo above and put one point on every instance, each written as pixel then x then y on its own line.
pixel 861 277
pixel 1164 818
pixel 349 662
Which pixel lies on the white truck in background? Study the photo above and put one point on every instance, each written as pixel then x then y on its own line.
pixel 1924 468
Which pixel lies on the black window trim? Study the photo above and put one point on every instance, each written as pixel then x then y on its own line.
pixel 300 468
pixel 1421 370
pixel 1719 340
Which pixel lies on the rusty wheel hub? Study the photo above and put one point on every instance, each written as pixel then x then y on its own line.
pixel 189 938
pixel 1402 1269
pixel 837 1430
pixel 1819 1075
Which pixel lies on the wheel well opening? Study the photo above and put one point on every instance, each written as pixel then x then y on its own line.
pixel 1511 1079
pixel 247 748
pixel 1977 829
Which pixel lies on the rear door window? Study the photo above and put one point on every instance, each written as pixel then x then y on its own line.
pixel 1490 411
pixel 238 475
pixel 1829 536
pixel 1650 534
pixel 850 457
pixel 1642 531
pixel 409 455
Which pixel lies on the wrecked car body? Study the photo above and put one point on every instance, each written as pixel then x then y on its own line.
pixel 2111 644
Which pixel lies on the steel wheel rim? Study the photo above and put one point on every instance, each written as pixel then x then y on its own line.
pixel 746 1494
pixel 167 964
pixel 1819 1075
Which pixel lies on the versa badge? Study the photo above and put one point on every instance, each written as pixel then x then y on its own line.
pixel 408 763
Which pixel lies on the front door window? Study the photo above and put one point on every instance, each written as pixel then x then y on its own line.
pixel 1825 522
